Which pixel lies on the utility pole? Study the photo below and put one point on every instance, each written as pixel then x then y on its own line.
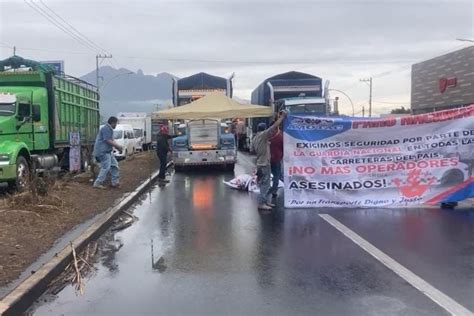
pixel 336 105
pixel 363 111
pixel 97 68
pixel 14 50
pixel 369 80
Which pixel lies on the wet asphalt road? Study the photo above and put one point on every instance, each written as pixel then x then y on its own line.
pixel 222 257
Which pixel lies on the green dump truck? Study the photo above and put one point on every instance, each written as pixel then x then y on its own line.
pixel 39 109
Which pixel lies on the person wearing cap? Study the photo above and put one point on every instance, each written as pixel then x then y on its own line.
pixel 162 149
pixel 261 146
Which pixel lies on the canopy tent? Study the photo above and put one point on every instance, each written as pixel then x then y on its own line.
pixel 214 105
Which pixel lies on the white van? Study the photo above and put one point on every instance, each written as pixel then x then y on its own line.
pixel 124 135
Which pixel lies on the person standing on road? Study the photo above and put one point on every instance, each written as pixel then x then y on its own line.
pixel 104 144
pixel 241 134
pixel 276 157
pixel 162 149
pixel 261 146
pixel 233 129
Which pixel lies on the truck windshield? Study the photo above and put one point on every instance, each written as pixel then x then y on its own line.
pixel 312 108
pixel 7 109
pixel 118 134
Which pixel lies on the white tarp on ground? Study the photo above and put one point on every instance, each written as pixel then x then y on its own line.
pixel 246 182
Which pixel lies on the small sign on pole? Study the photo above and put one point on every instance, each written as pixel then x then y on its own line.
pixel 57 65
pixel 74 151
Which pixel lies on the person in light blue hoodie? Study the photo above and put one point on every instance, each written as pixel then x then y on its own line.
pixel 104 144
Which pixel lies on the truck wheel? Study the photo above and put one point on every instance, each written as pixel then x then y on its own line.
pixel 22 175
pixel 178 168
pixel 230 167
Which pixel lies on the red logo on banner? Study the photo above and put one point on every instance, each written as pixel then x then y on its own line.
pixel 444 83
pixel 414 186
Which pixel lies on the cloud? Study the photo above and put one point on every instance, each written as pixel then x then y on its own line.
pixel 337 40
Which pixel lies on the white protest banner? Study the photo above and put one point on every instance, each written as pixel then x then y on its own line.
pixel 354 162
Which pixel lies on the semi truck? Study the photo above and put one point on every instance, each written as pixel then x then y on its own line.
pixel 39 110
pixel 295 92
pixel 206 141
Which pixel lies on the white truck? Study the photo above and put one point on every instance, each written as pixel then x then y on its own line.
pixel 141 124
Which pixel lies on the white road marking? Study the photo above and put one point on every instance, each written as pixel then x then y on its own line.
pixel 450 305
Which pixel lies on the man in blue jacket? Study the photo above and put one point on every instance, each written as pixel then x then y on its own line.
pixel 104 144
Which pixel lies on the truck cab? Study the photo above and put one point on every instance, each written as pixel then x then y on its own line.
pixel 204 142
pixel 303 106
pixel 296 92
pixel 40 110
pixel 19 119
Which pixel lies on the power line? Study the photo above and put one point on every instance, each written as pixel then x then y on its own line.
pixel 80 34
pixel 4 44
pixel 386 73
pixel 264 62
pixel 113 62
pixel 52 50
pixel 51 19
pixel 273 62
pixel 101 57
pixel 394 103
pixel 217 61
pixel 48 16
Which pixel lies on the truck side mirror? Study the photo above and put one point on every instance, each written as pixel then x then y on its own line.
pixel 36 113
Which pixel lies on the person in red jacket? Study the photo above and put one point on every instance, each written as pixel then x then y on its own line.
pixel 276 157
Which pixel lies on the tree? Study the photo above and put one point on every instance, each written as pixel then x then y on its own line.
pixel 401 110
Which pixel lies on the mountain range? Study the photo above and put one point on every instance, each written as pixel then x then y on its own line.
pixel 122 90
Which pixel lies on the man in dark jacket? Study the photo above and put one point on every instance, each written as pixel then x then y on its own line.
pixel 162 149
pixel 276 156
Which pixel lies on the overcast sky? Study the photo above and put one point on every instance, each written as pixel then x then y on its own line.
pixel 340 40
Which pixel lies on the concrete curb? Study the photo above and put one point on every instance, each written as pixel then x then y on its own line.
pixel 21 298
